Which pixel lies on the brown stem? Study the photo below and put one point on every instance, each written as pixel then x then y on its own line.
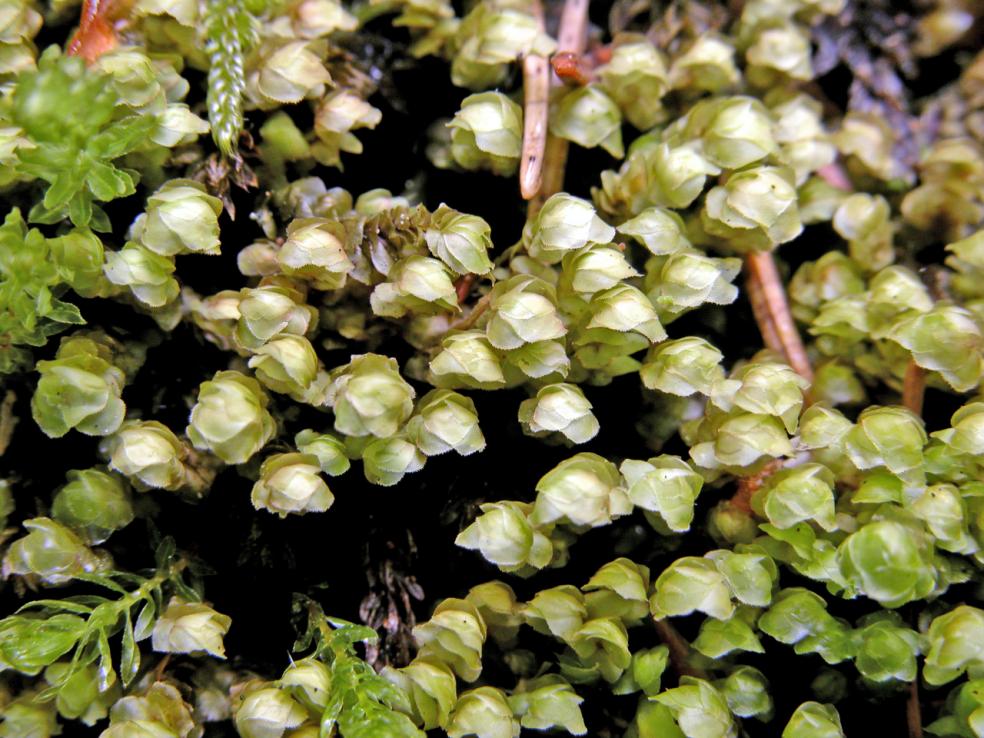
pixel 913 387
pixel 779 333
pixel 763 273
pixel 463 286
pixel 572 36
pixel 762 316
pixel 161 667
pixel 469 320
pixel 679 649
pixel 913 713
pixel 536 104
pixel 554 166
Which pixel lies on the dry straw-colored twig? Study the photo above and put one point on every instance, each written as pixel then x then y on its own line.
pixel 572 36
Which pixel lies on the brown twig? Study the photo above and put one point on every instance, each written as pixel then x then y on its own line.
pixel 913 712
pixel 762 316
pixel 779 333
pixel 554 165
pixel 463 285
pixel 536 104
pixel 679 649
pixel 913 387
pixel 161 667
pixel 572 36
pixel 779 326
pixel 469 320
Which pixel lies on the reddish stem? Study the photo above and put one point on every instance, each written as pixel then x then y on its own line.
pixel 914 387
pixel 762 315
pixel 779 333
pixel 679 649
pixel 913 712
pixel 763 273
pixel 477 312
pixel 161 667
pixel 463 286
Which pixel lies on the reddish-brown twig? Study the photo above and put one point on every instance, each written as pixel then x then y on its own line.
pixel 779 333
pixel 679 649
pixel 463 286
pixel 778 325
pixel 913 712
pixel 477 312
pixel 913 387
pixel 763 317
pixel 161 667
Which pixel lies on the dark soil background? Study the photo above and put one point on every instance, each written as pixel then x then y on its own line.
pixel 261 561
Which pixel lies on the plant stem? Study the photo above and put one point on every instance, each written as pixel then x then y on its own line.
pixel 776 323
pixel 913 387
pixel 913 712
pixel 554 164
pixel 463 286
pixel 469 320
pixel 679 649
pixel 161 667
pixel 536 105
pixel 779 333
pixel 572 36
pixel 762 317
